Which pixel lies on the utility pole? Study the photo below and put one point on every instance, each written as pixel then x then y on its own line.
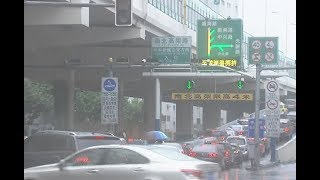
pixel 257 116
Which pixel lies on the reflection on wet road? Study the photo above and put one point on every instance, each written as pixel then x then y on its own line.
pixel 281 172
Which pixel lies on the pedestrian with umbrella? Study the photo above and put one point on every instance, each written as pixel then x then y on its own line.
pixel 155 137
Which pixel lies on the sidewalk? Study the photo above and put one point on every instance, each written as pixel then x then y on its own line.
pixel 264 163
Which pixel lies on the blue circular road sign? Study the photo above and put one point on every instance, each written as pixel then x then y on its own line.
pixel 109 85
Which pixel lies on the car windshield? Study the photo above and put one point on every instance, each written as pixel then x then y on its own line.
pixel 217 133
pixel 243 122
pixel 205 148
pixel 238 141
pixel 236 128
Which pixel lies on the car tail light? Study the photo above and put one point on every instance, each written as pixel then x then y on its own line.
pixel 130 140
pixel 226 153
pixel 82 159
pixel 286 129
pixel 240 133
pixel 191 173
pixel 193 154
pixel 99 137
pixel 212 155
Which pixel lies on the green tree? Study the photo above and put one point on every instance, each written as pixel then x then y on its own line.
pixel 132 110
pixel 38 98
pixel 89 103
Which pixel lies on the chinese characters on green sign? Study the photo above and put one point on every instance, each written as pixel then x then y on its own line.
pixel 263 50
pixel 172 50
pixel 219 42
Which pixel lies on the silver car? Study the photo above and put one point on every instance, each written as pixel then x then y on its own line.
pixel 242 142
pixel 125 162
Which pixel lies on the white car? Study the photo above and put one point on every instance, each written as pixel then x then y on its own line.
pixel 118 162
pixel 230 131
pixel 241 130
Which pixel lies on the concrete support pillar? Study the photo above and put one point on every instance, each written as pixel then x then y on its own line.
pixel 211 115
pixel 64 102
pixel 236 109
pixel 149 106
pixel 184 120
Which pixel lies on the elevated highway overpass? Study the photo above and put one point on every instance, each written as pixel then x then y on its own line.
pixel 56 34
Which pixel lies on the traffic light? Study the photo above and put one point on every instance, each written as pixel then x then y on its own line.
pixel 123 14
pixel 190 84
pixel 240 83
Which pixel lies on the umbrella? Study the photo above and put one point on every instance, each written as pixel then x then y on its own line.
pixel 155 135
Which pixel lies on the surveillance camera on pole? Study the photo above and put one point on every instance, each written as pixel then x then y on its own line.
pixel 123 13
pixel 150 61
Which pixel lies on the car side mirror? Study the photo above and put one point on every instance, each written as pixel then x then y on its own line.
pixel 61 165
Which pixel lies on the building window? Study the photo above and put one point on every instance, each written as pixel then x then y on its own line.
pixel 168 118
pixel 174 107
pixel 168 106
pixel 174 123
pixel 198 121
pixel 222 2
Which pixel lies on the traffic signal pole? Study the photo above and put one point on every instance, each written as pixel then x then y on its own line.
pixel 256 161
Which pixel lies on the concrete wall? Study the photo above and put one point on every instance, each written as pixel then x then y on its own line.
pixel 287 152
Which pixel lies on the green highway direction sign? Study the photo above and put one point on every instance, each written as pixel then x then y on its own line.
pixel 263 50
pixel 219 42
pixel 172 50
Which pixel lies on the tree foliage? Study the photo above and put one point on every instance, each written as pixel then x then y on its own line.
pixel 132 109
pixel 88 102
pixel 38 97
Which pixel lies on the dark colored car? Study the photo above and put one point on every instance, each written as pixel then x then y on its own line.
pixel 291 104
pixel 237 154
pixel 287 128
pixel 228 153
pixel 188 145
pixel 220 134
pixel 214 152
pixel 292 116
pixel 46 147
pixel 241 141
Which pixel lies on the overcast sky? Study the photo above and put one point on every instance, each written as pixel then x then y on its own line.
pixel 277 12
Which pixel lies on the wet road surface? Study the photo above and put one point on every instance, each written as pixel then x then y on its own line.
pixel 280 172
